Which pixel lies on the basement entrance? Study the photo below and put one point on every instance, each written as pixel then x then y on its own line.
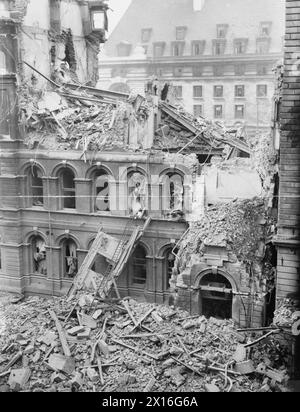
pixel 215 296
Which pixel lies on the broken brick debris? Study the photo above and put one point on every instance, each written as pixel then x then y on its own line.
pixel 120 356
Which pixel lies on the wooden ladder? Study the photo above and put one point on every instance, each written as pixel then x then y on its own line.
pixel 116 265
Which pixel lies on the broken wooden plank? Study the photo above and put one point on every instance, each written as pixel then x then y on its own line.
pixel 61 334
pixel 12 362
pixel 249 345
pixel 100 371
pixel 139 322
pixel 188 367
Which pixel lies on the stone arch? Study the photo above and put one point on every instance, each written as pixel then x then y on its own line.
pixel 61 238
pixel 92 170
pixel 28 165
pixel 57 169
pixel 164 248
pixel 134 169
pixel 214 303
pixel 33 233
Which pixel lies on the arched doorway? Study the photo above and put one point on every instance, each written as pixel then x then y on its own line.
pixel 216 296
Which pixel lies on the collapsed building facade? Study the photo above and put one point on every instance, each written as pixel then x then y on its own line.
pixel 78 161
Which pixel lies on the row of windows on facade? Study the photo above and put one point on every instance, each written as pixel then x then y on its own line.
pixel 221 31
pixel 218 111
pixel 172 190
pixel 218 91
pixel 69 257
pixel 197 70
pixel 198 47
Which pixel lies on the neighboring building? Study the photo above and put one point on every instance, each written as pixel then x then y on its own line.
pixel 218 55
pixel 288 239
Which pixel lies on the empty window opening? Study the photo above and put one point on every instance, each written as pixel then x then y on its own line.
pixel 216 297
pixel 68 189
pixel 70 259
pixel 36 185
pixel 198 47
pixel 102 188
pixel 169 266
pixel 39 255
pixel 198 110
pixel 139 266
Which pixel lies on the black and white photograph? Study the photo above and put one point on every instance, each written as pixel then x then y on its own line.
pixel 150 199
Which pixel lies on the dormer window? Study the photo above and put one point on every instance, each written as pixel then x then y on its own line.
pixel 178 48
pixel 219 47
pixel 181 33
pixel 265 29
pixel 146 35
pixel 198 47
pixel 240 46
pixel 222 31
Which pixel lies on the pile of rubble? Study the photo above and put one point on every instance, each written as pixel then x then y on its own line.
pixel 113 345
pixel 52 120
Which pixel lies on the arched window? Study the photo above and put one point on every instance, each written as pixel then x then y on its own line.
pixel 137 194
pixel 169 266
pixel 3 66
pixel 101 191
pixel 38 255
pixel 36 186
pixel 216 296
pixel 139 267
pixel 70 260
pixel 67 188
pixel 172 192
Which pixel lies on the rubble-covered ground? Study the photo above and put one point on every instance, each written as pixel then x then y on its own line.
pixel 123 345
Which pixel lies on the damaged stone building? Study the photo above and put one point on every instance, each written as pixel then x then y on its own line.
pixel 195 198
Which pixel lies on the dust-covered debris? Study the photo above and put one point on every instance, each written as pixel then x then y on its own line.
pixel 167 351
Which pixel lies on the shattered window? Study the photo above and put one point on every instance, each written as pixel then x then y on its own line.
pixel 102 201
pixel 239 111
pixel 68 189
pixel 70 258
pixel 261 90
pixel 139 266
pixel 36 183
pixel 240 91
pixel 39 255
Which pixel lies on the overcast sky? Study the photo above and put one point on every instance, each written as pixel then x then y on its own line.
pixel 119 7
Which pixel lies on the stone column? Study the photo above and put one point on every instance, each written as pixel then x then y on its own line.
pixel 84 198
pixel 51 194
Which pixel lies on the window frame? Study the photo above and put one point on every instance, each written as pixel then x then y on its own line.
pixel 195 110
pixel 236 116
pixel 198 43
pixel 236 88
pixel 138 263
pixel 162 46
pixel 148 33
pixel 63 190
pixel 216 87
pixel 179 46
pixel 182 30
pixel 265 94
pixel 222 111
pixel 65 256
pixel 96 176
pixel 31 187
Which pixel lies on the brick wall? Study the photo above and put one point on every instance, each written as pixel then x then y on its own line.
pixel 289 204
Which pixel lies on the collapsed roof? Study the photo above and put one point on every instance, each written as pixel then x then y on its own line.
pixel 91 119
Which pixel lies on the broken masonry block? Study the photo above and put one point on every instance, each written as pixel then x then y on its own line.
pixel 92 375
pixel 76 330
pixel 88 321
pixel 62 363
pixel 103 347
pixel 48 338
pixel 85 334
pixel 97 314
pixel 156 317
pixel 57 377
pixel 77 380
pixel 18 378
pixel 244 368
pixel 28 350
pixel 240 354
pixel 175 351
